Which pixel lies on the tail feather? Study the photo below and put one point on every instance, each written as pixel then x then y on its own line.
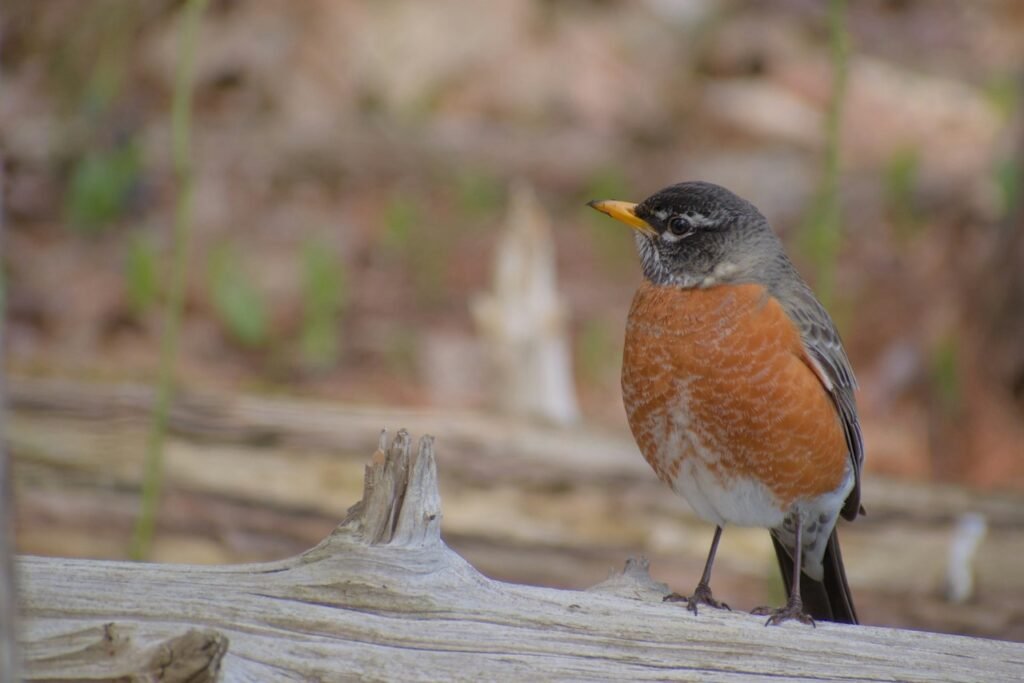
pixel 827 600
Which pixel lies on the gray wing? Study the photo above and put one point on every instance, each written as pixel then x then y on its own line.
pixel 821 340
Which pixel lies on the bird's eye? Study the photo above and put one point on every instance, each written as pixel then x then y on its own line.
pixel 679 226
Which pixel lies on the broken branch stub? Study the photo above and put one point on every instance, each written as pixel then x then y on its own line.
pixel 401 503
pixel 384 599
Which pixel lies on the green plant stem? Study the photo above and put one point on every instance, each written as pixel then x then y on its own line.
pixel 823 230
pixel 181 111
pixel 9 662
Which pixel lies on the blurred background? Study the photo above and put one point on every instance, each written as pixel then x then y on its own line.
pixel 389 230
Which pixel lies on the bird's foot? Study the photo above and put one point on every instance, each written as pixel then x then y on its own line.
pixel 701 596
pixel 793 610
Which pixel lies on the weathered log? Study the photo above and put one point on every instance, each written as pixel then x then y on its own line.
pixel 116 417
pixel 253 479
pixel 523 319
pixel 384 598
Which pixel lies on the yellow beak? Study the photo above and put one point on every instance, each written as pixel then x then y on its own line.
pixel 625 212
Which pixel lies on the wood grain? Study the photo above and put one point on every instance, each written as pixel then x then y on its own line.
pixel 383 598
pixel 251 479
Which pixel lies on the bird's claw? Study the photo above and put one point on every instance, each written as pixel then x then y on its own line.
pixel 791 611
pixel 701 596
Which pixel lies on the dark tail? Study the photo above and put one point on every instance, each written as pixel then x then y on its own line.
pixel 828 600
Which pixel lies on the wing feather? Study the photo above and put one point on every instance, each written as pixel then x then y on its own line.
pixel 825 348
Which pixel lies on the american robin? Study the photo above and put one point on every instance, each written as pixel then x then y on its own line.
pixel 738 390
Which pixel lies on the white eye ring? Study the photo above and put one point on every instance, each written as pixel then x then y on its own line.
pixel 676 229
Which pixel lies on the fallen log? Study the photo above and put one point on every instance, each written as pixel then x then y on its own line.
pixel 252 479
pixel 382 597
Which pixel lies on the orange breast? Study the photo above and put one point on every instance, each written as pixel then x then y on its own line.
pixel 727 366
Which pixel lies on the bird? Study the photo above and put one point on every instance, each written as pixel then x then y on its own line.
pixel 738 390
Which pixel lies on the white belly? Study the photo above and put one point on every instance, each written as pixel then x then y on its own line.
pixel 739 500
pixel 747 502
pixel 742 501
pixel 718 499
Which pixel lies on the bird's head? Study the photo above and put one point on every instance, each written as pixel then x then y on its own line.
pixel 697 234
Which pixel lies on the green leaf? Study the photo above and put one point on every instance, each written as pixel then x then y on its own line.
pixel 324 296
pixel 613 245
pixel 597 352
pixel 400 216
pixel 901 174
pixel 100 187
pixel 479 193
pixel 945 373
pixel 1009 180
pixel 239 305
pixel 141 275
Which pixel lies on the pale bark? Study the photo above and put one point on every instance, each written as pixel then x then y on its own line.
pixel 252 479
pixel 522 320
pixel 383 598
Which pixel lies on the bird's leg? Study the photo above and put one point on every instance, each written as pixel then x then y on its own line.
pixel 702 594
pixel 794 607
